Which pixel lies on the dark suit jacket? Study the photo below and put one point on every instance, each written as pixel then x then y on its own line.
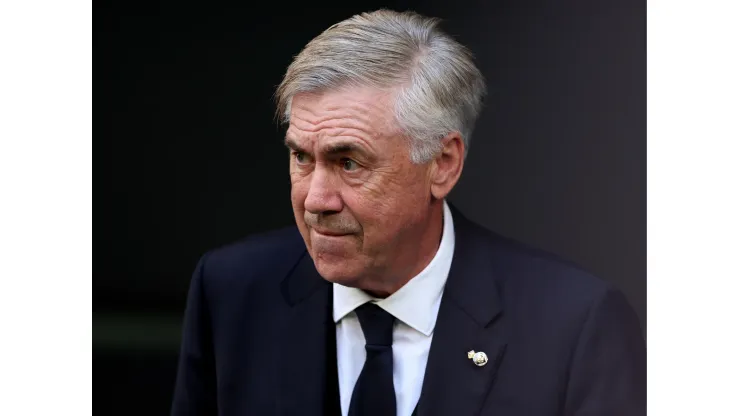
pixel 259 337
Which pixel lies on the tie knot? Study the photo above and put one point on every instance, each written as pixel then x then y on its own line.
pixel 377 324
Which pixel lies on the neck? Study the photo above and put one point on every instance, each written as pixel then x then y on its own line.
pixel 422 251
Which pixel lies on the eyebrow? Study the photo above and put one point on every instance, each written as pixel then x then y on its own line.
pixel 331 150
pixel 341 148
pixel 291 144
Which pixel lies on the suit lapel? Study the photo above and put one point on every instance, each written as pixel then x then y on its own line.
pixel 469 318
pixel 306 354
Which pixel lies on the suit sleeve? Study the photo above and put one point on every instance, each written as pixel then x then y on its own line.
pixel 608 369
pixel 195 392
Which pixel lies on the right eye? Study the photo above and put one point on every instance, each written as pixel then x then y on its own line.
pixel 300 157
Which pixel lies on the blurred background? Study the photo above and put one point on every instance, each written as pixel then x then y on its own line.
pixel 188 156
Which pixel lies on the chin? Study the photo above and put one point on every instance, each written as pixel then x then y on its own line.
pixel 336 271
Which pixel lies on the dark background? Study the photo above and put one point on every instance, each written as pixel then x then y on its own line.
pixel 188 156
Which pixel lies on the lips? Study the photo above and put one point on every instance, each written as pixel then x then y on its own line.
pixel 329 233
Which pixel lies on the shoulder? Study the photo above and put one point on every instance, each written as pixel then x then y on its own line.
pixel 532 279
pixel 267 256
pixel 551 296
pixel 530 266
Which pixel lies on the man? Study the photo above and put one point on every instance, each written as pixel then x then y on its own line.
pixel 385 300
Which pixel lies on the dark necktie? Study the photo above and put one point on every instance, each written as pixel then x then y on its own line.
pixel 374 394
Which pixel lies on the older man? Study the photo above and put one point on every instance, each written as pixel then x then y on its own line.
pixel 385 300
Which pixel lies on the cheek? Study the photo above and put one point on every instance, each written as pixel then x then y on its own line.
pixel 394 204
pixel 396 192
pixel 298 190
pixel 375 211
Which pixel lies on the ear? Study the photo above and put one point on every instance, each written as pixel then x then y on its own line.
pixel 447 165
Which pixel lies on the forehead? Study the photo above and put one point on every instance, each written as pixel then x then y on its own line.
pixel 361 112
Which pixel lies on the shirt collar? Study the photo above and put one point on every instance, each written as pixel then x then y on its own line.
pixel 416 304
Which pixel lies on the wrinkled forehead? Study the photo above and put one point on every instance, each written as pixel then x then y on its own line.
pixel 362 111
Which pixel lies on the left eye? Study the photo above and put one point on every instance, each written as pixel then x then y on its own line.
pixel 349 165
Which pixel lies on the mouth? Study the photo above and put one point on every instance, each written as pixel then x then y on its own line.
pixel 329 233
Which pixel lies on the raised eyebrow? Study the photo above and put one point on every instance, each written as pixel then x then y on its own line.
pixel 330 150
pixel 346 147
pixel 338 148
pixel 292 145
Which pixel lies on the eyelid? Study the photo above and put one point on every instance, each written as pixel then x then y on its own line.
pixel 295 153
pixel 344 159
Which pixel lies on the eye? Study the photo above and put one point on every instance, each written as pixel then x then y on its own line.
pixel 349 165
pixel 300 157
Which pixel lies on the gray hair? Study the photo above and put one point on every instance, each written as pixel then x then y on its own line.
pixel 440 90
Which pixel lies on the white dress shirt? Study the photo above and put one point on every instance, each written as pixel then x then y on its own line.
pixel 415 308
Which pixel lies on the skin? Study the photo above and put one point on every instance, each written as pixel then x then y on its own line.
pixel 370 218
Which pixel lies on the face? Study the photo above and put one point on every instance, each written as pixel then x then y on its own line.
pixel 362 207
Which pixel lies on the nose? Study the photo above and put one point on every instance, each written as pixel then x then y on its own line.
pixel 323 195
